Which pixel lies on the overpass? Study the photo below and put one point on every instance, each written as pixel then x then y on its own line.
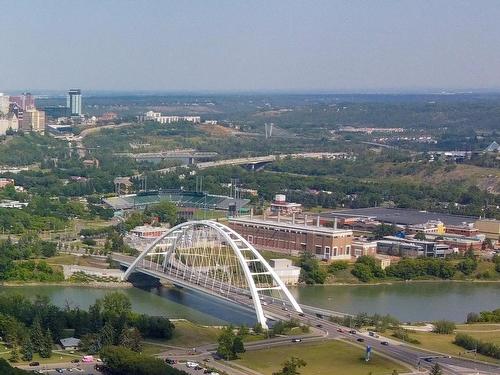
pixel 188 156
pixel 256 161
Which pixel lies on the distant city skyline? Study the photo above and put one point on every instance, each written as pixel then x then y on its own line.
pixel 258 46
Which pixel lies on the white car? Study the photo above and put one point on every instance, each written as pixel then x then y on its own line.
pixel 191 364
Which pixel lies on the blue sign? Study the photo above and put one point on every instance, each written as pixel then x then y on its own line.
pixel 368 353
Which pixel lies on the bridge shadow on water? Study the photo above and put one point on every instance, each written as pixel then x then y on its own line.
pixel 201 302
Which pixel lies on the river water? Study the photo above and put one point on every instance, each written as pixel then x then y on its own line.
pixel 408 302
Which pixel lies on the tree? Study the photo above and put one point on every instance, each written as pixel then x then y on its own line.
pixel 363 272
pixel 107 335
pixel 36 335
pixel 311 271
pixel 225 344
pixel 238 346
pixel 384 230
pixel 291 367
pixel 46 349
pixel 14 354
pixel 436 370
pixel 445 327
pixel 115 305
pixel 27 350
pixel 131 338
pixel 420 236
pixel 166 211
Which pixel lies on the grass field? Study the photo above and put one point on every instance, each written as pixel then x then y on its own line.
pixel 444 343
pixel 326 358
pixel 188 335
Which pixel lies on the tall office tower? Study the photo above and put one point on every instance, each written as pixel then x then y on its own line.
pixel 33 121
pixel 74 102
pixel 4 103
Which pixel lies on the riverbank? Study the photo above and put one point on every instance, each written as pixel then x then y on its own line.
pixel 94 284
pixel 396 282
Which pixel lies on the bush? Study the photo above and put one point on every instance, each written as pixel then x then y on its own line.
pixel 470 343
pixel 444 327
pixel 337 266
pixel 402 334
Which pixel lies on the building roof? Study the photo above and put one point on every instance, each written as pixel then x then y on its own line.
pixel 494 146
pixel 288 225
pixel 400 216
pixel 70 342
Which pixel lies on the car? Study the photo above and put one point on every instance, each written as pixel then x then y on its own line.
pixel 371 333
pixel 78 369
pixel 190 364
pixel 35 363
pixel 319 316
pixel 339 330
pixel 170 361
pixel 360 340
pixel 352 331
pixel 75 361
pixel 198 367
pixel 302 314
pixel 59 370
pixel 206 359
pixel 384 343
pixel 428 359
pixel 296 340
pixel 319 325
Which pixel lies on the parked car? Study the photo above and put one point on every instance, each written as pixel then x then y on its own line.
pixel 353 331
pixel 296 340
pixel 360 340
pixel 384 343
pixel 34 363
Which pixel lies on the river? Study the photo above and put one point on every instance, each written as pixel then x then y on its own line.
pixel 408 302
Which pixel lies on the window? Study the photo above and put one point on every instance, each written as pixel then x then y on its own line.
pixel 335 251
pixel 348 250
pixel 318 250
pixel 327 251
pixel 250 238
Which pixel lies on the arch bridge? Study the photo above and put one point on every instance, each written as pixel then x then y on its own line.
pixel 214 259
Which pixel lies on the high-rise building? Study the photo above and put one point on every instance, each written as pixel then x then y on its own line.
pixel 24 101
pixel 74 102
pixel 4 104
pixel 33 121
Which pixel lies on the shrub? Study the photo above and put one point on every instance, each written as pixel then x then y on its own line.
pixel 444 327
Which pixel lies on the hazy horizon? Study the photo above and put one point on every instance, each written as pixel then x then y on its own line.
pixel 388 46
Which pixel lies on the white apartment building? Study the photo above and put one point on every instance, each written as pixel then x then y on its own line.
pixel 158 117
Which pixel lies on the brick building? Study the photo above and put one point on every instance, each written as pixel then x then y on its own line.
pixel 324 243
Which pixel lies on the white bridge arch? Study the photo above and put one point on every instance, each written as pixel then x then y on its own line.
pixel 211 254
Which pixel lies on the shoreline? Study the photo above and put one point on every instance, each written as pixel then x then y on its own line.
pixel 96 284
pixel 396 282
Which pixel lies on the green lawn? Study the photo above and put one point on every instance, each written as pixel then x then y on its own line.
pixel 189 335
pixel 56 358
pixel 444 343
pixel 327 358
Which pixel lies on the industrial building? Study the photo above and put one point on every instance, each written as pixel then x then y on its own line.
pixel 325 243
pixel 411 248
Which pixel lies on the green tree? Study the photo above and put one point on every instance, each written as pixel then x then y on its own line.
pixel 384 230
pixel 225 344
pixel 436 370
pixel 36 335
pixel 166 211
pixel 420 236
pixel 46 349
pixel 27 350
pixel 131 338
pixel 363 272
pixel 14 354
pixel 291 366
pixel 238 346
pixel 311 271
pixel 444 327
pixel 107 335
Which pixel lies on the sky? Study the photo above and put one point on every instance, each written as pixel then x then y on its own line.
pixel 254 45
